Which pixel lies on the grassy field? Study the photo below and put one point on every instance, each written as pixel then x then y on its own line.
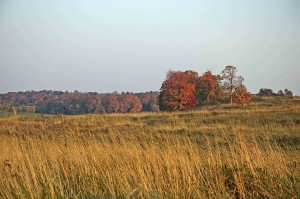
pixel 215 152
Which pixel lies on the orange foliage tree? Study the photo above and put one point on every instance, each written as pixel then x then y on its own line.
pixel 241 95
pixel 130 103
pixel 178 91
pixel 207 85
pixel 113 103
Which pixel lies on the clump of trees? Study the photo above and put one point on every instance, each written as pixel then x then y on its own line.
pixel 266 92
pixel 288 93
pixel 186 90
pixel 269 92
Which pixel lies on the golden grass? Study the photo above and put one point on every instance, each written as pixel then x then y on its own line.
pixel 239 153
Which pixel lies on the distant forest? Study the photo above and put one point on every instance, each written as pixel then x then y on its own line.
pixel 73 103
pixel 180 91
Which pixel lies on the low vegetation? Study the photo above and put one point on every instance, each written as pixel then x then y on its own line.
pixel 215 152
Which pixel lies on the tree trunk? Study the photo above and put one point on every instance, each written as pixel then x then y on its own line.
pixel 207 97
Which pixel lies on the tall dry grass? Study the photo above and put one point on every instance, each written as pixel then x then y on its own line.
pixel 202 154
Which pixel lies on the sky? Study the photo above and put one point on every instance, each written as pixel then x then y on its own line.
pixel 107 46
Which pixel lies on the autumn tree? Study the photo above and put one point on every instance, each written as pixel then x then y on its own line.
pixel 241 95
pixel 219 92
pixel 130 103
pixel 149 101
pixel 178 91
pixel 113 104
pixel 231 80
pixel 93 104
pixel 207 85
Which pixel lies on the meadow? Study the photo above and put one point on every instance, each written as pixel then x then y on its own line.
pixel 215 152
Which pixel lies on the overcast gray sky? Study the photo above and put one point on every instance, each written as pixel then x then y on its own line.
pixel 107 46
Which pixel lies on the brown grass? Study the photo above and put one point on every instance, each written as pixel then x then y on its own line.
pixel 236 153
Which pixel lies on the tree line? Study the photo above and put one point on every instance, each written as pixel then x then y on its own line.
pixel 180 91
pixel 269 92
pixel 73 103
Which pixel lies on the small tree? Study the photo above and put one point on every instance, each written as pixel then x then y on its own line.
pixel 265 92
pixel 231 80
pixel 242 96
pixel 288 93
pixel 280 93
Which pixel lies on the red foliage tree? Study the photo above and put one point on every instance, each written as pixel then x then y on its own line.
pixel 241 95
pixel 130 103
pixel 145 98
pixel 113 104
pixel 208 84
pixel 178 91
